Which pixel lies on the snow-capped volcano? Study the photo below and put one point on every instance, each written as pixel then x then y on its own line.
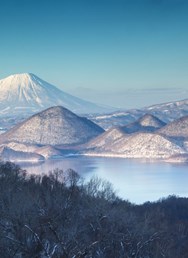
pixel 27 93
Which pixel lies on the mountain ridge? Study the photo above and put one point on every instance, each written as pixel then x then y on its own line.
pixel 167 112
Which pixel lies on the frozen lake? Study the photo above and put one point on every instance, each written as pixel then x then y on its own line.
pixel 134 180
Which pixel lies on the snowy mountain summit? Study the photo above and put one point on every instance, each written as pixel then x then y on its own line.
pixel 149 120
pixel 147 123
pixel 27 93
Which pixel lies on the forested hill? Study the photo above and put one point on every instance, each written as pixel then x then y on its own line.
pixel 60 216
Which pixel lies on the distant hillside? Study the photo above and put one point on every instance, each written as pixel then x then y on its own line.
pixel 177 128
pixel 107 138
pixel 141 139
pixel 12 155
pixel 166 112
pixel 147 123
pixel 139 145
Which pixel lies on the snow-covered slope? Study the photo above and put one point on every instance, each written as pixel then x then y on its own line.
pixel 141 139
pixel 106 139
pixel 8 154
pixel 21 151
pixel 23 94
pixel 139 145
pixel 177 128
pixel 147 123
pixel 166 112
pixel 169 111
pixel 53 126
pixel 149 120
pixel 116 119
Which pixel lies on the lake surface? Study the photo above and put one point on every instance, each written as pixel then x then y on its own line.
pixel 134 180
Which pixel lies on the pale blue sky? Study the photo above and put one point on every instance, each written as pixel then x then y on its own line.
pixel 88 47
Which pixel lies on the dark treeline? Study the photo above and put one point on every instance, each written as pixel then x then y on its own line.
pixel 60 216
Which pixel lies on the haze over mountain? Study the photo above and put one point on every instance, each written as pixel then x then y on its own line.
pixel 53 126
pixel 23 94
pixel 166 112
